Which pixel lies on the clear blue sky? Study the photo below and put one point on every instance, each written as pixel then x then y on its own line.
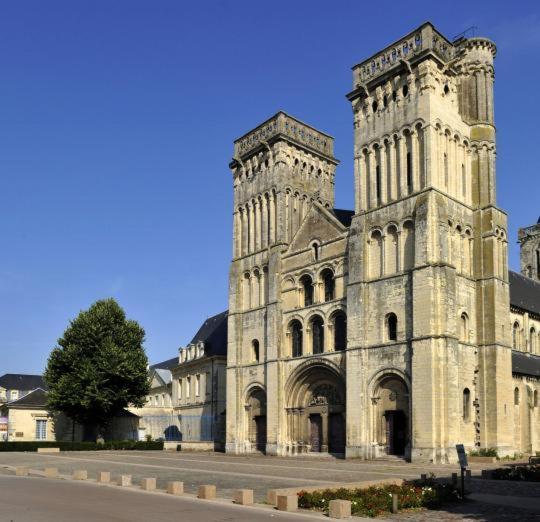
pixel 116 126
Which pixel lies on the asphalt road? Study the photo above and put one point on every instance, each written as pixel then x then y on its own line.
pixel 29 499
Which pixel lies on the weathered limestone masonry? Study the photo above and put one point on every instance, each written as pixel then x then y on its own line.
pixel 529 239
pixel 385 330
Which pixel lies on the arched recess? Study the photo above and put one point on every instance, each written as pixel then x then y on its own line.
pixel 391 414
pixel 376 250
pixel 339 325
pixel 316 409
pixel 296 338
pixel 408 245
pixel 317 334
pixel 329 284
pixel 256 418
pixel 391 250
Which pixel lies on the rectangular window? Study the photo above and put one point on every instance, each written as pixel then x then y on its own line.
pixel 208 383
pixel 14 395
pixel 41 429
pixel 188 388
pixel 179 389
pixel 197 385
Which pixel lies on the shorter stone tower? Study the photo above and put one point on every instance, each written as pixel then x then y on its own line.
pixel 529 242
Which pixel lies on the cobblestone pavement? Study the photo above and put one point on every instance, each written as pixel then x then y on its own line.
pixel 261 473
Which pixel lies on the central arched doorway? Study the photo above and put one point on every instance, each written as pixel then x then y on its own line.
pixel 256 412
pixel 392 415
pixel 316 410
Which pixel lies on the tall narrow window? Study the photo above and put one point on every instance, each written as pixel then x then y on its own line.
pixel 391 327
pixel 295 330
pixel 41 429
pixel 538 264
pixel 197 385
pixel 463 181
pixel 179 389
pixel 409 171
pixel 188 387
pixel 516 396
pixel 378 183
pixel 340 331
pixel 317 332
pixel 329 285
pixel 255 349
pixel 466 404
pixel 515 336
pixel 307 286
pixel 445 158
pixel 464 333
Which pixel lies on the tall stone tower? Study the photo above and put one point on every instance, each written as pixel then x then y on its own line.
pixel 279 169
pixel 428 279
pixel 529 242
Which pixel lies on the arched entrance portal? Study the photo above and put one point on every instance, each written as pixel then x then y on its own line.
pixel 391 415
pixel 256 412
pixel 316 411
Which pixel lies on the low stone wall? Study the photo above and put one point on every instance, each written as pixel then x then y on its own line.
pixel 190 445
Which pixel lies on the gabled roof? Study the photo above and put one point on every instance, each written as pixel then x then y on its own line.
pixel 22 382
pixel 524 292
pixel 213 332
pixel 344 216
pixel 35 399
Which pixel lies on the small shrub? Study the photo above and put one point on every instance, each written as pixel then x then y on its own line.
pixel 375 501
pixel 529 472
pixel 484 452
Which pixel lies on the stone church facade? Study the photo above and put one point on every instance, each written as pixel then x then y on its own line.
pixel 388 329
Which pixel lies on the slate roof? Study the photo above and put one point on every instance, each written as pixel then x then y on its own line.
pixel 35 399
pixel 213 333
pixel 525 364
pixel 524 292
pixel 344 216
pixel 22 382
pixel 165 365
pixel 165 374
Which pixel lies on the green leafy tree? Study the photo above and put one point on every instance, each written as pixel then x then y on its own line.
pixel 99 367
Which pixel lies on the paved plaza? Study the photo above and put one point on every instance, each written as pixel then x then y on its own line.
pixel 229 473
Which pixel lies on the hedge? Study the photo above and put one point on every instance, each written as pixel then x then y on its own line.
pixel 82 446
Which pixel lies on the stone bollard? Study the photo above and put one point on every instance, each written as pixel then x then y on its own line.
pixel 104 477
pixel 124 480
pixel 339 509
pixel 287 502
pixel 454 479
pixel 271 497
pixel 149 484
pixel 51 472
pixel 207 491
pixel 175 488
pixel 395 502
pixel 243 497
pixel 21 471
pixel 80 474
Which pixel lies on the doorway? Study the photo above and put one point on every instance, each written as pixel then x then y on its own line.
pixel 260 432
pixel 396 432
pixel 336 435
pixel 315 432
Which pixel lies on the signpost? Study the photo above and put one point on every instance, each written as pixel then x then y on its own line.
pixel 462 457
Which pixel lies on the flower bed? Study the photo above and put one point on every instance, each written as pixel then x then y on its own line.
pixel 530 472
pixel 375 501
